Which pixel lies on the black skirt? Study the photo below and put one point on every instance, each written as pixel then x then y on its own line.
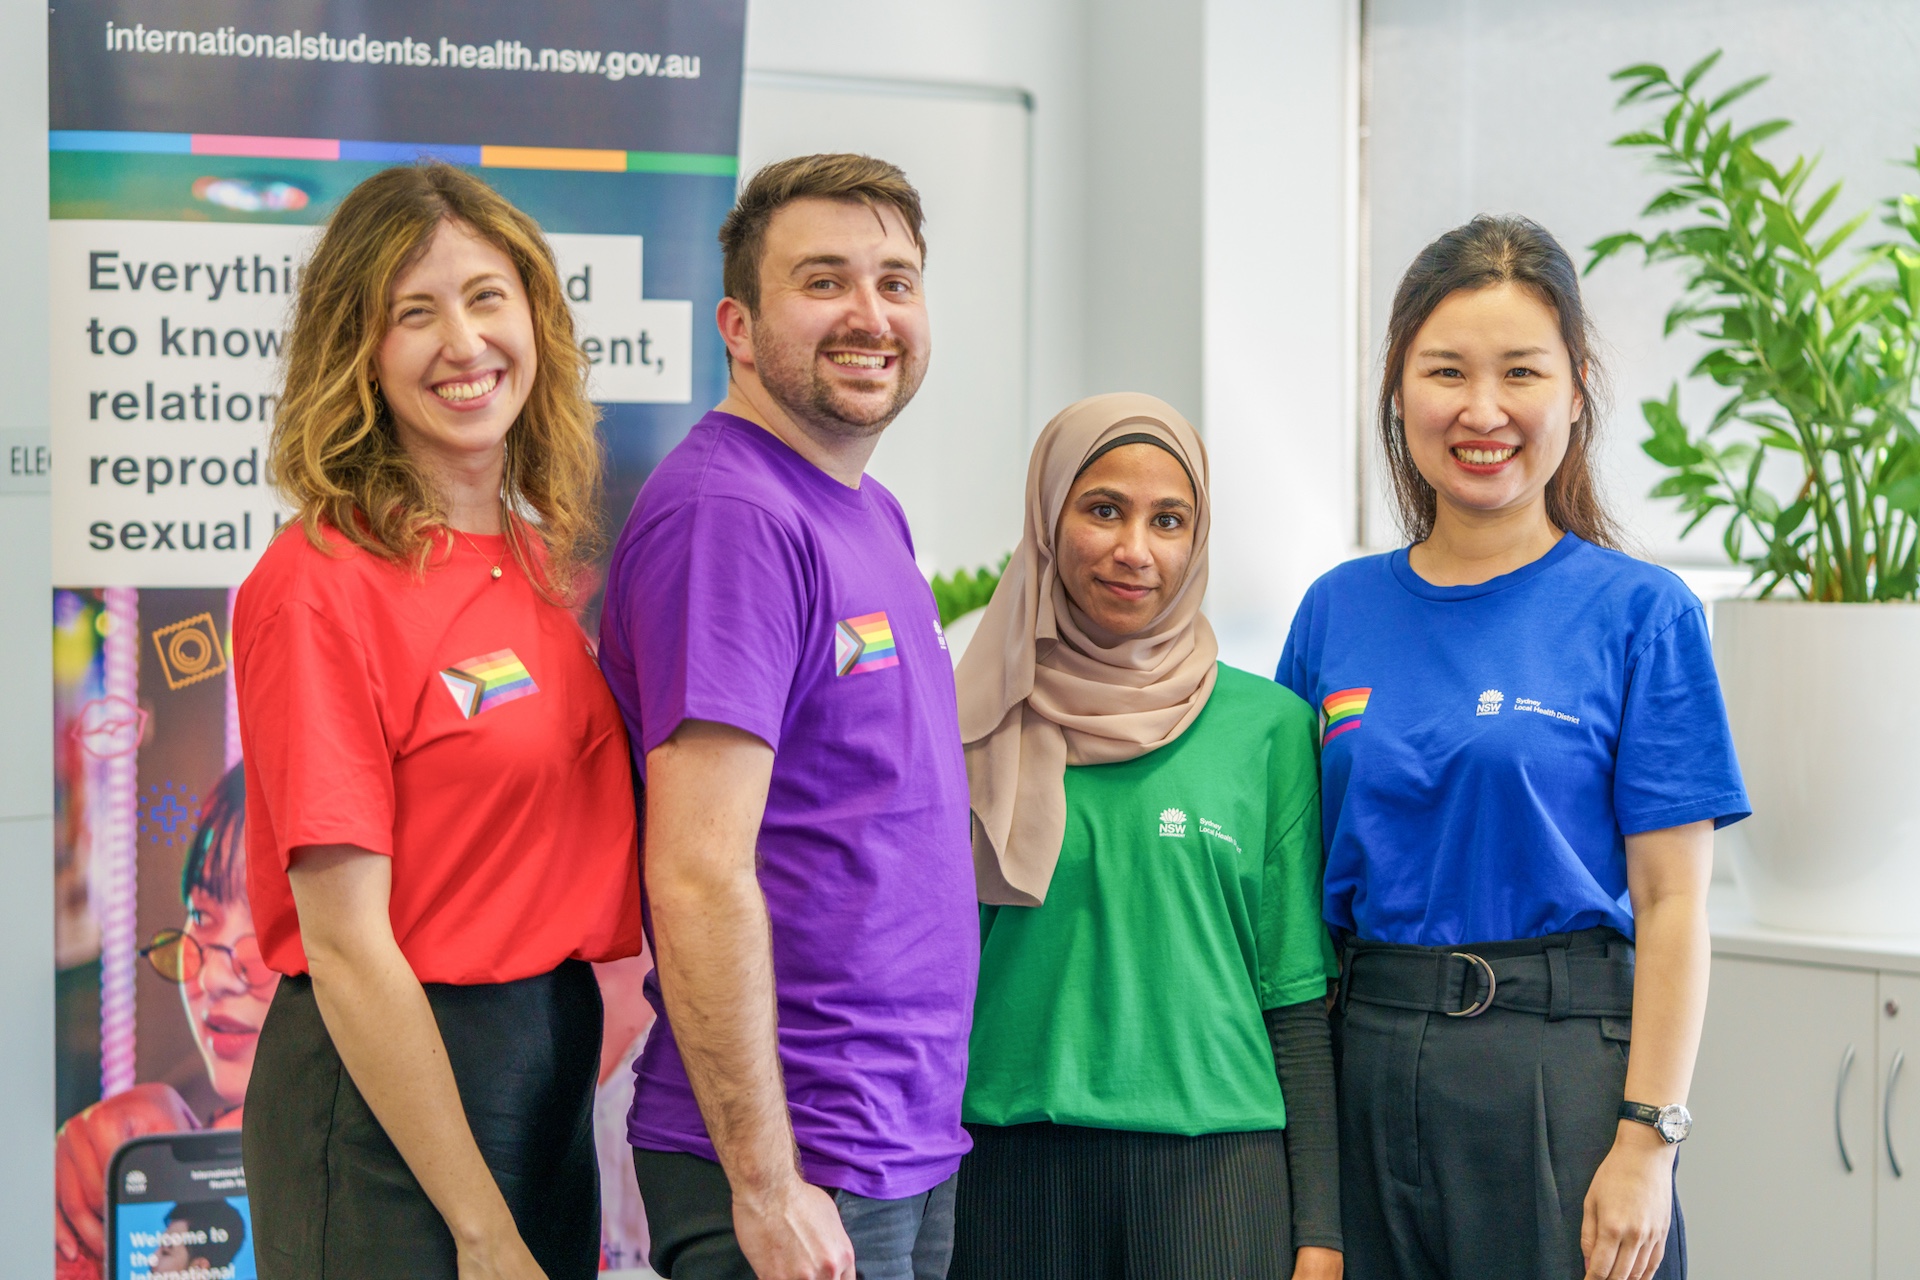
pixel 1060 1202
pixel 332 1199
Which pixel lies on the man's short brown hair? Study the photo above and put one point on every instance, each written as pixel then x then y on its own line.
pixel 743 236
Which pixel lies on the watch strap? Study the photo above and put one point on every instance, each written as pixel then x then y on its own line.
pixel 1641 1112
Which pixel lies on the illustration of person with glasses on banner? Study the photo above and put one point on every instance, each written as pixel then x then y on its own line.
pixel 225 988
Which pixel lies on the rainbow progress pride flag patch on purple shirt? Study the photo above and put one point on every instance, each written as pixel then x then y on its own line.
pixel 864 644
pixel 483 683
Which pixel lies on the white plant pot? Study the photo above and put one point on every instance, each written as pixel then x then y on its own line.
pixel 1825 705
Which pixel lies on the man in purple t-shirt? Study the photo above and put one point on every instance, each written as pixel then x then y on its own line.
pixel 781 666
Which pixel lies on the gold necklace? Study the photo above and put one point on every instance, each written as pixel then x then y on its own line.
pixel 477 551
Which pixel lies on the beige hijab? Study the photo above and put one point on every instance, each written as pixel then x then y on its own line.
pixel 1041 687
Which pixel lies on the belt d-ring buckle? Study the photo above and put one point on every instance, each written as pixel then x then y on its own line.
pixel 1485 1002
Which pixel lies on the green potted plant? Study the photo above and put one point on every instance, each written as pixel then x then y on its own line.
pixel 1813 461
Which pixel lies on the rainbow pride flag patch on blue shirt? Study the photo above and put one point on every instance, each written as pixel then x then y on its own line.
pixel 1341 712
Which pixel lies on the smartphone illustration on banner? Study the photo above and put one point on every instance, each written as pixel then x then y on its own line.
pixel 177 1209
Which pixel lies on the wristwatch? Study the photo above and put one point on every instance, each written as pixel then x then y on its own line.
pixel 1672 1122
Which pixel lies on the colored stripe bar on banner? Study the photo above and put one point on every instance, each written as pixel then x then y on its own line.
pixel 408 152
pixel 223 144
pixel 682 162
pixel 553 158
pixel 485 156
pixel 174 144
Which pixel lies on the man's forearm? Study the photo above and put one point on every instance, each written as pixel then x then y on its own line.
pixel 716 975
pixel 706 794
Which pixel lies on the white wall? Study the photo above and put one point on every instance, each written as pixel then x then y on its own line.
pixel 1505 106
pixel 1193 196
pixel 967 150
pixel 1193 182
pixel 1280 263
pixel 1035 45
pixel 1144 161
pixel 1221 272
pixel 26 631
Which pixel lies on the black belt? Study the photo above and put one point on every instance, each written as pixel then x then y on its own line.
pixel 1588 974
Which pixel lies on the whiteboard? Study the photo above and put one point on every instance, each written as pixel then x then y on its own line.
pixel 957 456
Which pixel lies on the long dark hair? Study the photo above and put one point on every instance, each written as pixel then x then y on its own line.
pixel 1487 251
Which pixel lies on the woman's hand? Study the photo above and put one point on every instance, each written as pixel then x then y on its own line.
pixel 1629 1209
pixel 1310 1262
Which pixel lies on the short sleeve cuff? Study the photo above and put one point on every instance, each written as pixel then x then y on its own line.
pixel 1309 986
pixel 751 720
pixel 1724 809
pixel 314 836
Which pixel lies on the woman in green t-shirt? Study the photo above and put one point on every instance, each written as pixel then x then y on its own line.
pixel 1150 1089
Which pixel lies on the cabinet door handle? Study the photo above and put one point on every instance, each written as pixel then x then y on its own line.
pixel 1886 1110
pixel 1839 1095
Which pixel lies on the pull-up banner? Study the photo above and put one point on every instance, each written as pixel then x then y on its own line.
pixel 196 147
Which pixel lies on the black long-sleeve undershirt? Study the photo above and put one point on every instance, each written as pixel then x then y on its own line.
pixel 1302 1046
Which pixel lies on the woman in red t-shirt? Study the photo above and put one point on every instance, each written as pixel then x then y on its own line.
pixel 440 818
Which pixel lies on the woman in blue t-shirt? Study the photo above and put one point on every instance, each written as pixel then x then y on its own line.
pixel 1524 755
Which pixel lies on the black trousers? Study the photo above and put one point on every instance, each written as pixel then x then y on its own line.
pixel 1058 1202
pixel 1468 1144
pixel 331 1197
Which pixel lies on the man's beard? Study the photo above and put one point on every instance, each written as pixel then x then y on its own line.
pixel 793 377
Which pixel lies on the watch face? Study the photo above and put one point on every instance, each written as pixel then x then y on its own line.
pixel 1674 1123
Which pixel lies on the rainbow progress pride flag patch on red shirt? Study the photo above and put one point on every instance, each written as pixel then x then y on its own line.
pixel 864 644
pixel 490 680
pixel 1341 711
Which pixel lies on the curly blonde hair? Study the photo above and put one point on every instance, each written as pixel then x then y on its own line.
pixel 333 455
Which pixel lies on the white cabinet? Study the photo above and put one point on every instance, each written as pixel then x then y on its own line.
pixel 1782 1101
pixel 1898 1125
pixel 1805 1153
